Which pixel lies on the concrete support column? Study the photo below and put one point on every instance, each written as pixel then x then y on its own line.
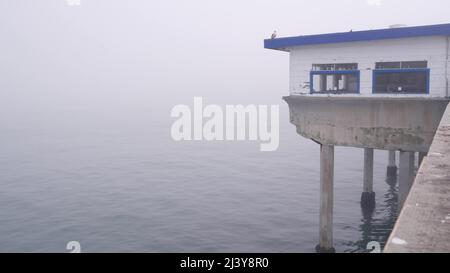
pixel 368 195
pixel 326 199
pixel 392 167
pixel 406 176
pixel 421 157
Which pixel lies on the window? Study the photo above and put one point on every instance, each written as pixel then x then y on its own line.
pixel 401 65
pixel 334 78
pixel 401 77
pixel 322 67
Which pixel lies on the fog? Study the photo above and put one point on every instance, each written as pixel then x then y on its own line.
pixel 86 93
pixel 112 59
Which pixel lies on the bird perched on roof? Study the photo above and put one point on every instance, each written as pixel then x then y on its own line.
pixel 274 35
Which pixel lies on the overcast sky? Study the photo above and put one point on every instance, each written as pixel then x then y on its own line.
pixel 142 52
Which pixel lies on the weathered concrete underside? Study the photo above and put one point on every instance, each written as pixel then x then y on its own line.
pixel 424 223
pixel 406 124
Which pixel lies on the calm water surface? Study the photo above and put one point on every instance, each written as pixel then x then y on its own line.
pixel 113 179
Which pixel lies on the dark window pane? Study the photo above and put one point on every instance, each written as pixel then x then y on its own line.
pixel 401 82
pixel 388 65
pixel 420 64
pixel 398 65
pixel 346 67
pixel 332 67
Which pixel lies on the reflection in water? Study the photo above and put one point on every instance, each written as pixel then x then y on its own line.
pixel 376 228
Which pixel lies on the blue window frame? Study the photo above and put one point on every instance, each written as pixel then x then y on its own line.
pixel 335 82
pixel 401 81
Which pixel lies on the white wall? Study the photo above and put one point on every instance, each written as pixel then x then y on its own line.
pixel 366 54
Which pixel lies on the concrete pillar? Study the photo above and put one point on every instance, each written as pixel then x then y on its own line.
pixel 326 199
pixel 406 176
pixel 392 167
pixel 421 157
pixel 368 195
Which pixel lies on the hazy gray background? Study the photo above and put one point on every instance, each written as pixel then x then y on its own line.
pixel 85 148
pixel 125 53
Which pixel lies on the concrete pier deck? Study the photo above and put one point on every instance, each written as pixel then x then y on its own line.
pixel 387 123
pixel 424 222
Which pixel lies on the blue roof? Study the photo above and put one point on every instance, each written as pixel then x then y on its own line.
pixel 355 36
